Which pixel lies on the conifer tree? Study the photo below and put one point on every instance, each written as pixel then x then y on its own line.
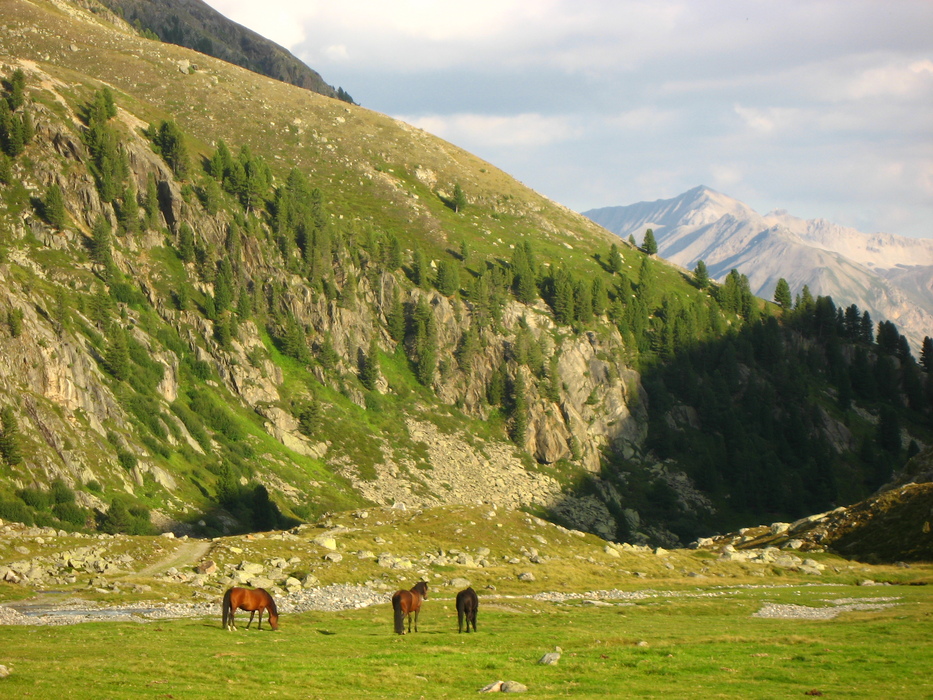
pixel 186 242
pixel 782 295
pixel 117 355
pixel 467 348
pixel 701 275
pixel 459 199
pixel 650 245
pixel 395 319
pixel 424 342
pixel 419 268
pixel 369 365
pixel 615 259
pixel 448 278
pixel 171 146
pixel 495 389
pixel 102 246
pixel 53 205
pixel 926 354
pixel 563 297
pixel 519 413
pixel 17 94
pixel 128 213
pixel 9 437
pixel 14 320
pixel 151 203
pixel 393 254
pixel 599 295
pixel 525 274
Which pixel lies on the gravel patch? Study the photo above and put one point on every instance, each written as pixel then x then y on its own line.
pixel 805 612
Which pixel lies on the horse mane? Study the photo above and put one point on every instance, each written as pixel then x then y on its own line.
pixel 272 607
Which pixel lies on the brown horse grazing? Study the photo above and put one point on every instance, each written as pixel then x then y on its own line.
pixel 408 602
pixel 249 599
pixel 467 603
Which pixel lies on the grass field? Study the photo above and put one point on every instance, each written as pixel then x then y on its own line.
pixel 693 643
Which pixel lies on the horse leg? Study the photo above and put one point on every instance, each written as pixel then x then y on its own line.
pixel 460 621
pixel 252 614
pixel 260 617
pixel 416 618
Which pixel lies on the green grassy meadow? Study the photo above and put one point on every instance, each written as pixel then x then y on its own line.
pixel 698 643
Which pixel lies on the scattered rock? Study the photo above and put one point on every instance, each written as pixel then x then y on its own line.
pixel 513 687
pixel 208 566
pixel 326 541
pixel 526 576
pixel 551 658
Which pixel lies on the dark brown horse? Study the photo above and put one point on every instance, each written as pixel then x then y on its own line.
pixel 251 599
pixel 408 602
pixel 467 603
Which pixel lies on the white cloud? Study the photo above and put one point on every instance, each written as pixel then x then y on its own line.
pixel 484 130
pixel 597 102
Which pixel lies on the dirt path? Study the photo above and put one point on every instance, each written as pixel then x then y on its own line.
pixel 186 555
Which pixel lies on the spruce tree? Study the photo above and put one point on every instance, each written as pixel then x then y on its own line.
pixel 9 437
pixel 926 354
pixel 615 259
pixel 17 94
pixel 369 365
pixel 14 319
pixel 448 278
pixel 151 203
pixel 650 245
pixel 117 355
pixel 459 199
pixel 395 319
pixel 701 275
pixel 525 274
pixel 424 342
pixel 128 212
pixel 419 269
pixel 102 246
pixel 53 206
pixel 519 413
pixel 782 295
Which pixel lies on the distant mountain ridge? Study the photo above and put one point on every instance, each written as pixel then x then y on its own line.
pixel 195 25
pixel 890 276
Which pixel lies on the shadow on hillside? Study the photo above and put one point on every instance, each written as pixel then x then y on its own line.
pixel 769 423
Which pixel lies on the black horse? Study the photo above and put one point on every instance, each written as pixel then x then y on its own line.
pixel 467 603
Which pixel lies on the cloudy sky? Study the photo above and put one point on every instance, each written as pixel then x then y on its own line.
pixel 820 107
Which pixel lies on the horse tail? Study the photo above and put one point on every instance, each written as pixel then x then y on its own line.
pixel 226 606
pixel 399 614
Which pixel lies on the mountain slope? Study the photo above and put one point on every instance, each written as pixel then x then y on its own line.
pixel 889 276
pixel 195 25
pixel 228 303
